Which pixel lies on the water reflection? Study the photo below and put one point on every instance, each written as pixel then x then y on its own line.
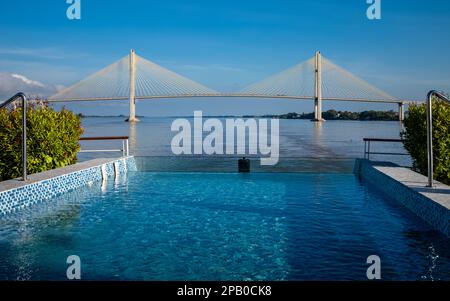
pixel 318 128
pixel 132 137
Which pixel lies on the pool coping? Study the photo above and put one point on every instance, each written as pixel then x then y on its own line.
pixel 16 194
pixel 49 174
pixel 409 188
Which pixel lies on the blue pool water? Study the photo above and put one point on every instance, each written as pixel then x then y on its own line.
pixel 222 226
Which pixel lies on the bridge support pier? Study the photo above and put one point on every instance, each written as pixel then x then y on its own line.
pixel 132 116
pixel 318 88
pixel 401 112
pixel 317 110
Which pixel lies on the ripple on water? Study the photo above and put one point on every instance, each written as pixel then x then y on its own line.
pixel 219 226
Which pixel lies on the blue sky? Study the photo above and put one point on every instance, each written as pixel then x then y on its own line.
pixel 227 45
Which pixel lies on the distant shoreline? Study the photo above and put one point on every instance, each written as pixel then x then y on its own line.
pixel 327 115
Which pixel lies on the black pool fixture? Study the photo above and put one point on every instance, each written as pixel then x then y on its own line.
pixel 244 165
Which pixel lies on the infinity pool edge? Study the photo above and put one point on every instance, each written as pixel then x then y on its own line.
pixel 409 188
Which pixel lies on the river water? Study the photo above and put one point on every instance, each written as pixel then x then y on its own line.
pixel 338 139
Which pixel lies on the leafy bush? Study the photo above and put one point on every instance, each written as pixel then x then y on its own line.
pixel 52 139
pixel 415 136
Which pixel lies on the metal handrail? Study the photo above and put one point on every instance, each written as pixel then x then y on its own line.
pixel 367 151
pixel 24 129
pixel 125 144
pixel 445 98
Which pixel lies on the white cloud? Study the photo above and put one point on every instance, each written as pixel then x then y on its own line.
pixel 28 81
pixel 11 83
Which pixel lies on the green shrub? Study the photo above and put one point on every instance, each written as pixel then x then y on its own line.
pixel 52 139
pixel 415 136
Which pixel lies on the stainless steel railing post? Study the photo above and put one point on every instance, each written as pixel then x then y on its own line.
pixel 24 137
pixel 24 129
pixel 430 131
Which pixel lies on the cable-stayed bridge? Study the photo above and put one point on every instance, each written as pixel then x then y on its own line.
pixel 134 77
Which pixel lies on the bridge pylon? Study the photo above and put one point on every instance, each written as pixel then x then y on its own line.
pixel 318 88
pixel 132 116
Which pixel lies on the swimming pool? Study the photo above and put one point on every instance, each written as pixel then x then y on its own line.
pixel 222 226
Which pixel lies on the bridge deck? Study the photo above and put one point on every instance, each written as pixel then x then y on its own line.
pixel 236 95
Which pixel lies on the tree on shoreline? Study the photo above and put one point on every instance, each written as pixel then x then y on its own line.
pixel 343 115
